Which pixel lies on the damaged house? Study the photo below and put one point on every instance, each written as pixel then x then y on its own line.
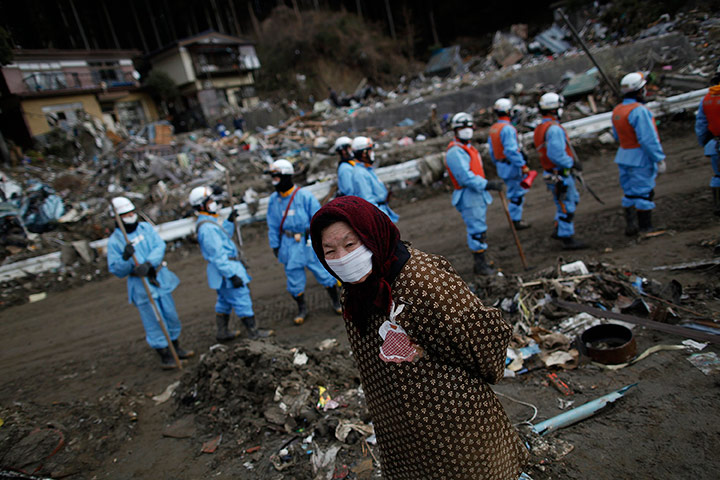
pixel 44 89
pixel 213 72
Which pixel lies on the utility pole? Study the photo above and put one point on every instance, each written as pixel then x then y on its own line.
pixel 390 19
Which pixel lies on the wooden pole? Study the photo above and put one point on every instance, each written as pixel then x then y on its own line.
pixel 504 202
pixel 158 317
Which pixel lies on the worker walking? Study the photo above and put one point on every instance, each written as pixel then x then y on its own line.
pixel 346 166
pixel 707 129
pixel 149 250
pixel 640 156
pixel 290 209
pixel 510 161
pixel 225 272
pixel 557 160
pixel 367 185
pixel 471 196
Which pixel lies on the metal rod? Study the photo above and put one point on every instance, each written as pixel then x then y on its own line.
pixel 585 48
pixel 504 202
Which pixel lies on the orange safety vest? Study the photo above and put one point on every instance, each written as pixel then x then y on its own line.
pixel 476 165
pixel 711 109
pixel 621 121
pixel 497 145
pixel 541 145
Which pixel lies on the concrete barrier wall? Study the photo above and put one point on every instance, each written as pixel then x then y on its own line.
pixel 615 60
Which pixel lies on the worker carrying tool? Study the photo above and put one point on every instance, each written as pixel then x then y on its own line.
pixel 556 158
pixel 366 183
pixel 707 129
pixel 640 156
pixel 471 196
pixel 290 209
pixel 140 258
pixel 510 161
pixel 225 272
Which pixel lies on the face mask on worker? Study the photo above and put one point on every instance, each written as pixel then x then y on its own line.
pixel 212 207
pixel 283 183
pixel 369 157
pixel 560 112
pixel 353 266
pixel 130 222
pixel 465 133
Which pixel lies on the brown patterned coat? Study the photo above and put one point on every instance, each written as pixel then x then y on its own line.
pixel 437 418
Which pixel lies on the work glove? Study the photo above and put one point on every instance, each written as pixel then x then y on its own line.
pixel 233 215
pixel 275 251
pixel 141 270
pixel 128 251
pixel 662 166
pixel 495 185
pixel 236 281
pixel 525 169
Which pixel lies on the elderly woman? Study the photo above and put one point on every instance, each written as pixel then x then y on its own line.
pixel 426 347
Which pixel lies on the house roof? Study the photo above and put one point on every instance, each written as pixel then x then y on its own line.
pixel 208 37
pixel 21 54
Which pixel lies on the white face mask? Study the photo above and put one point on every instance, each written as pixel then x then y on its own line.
pixel 212 207
pixel 560 112
pixel 275 180
pixel 465 133
pixel 353 266
pixel 130 219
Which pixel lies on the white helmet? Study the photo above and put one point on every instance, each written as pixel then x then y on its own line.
pixel 341 143
pixel 122 205
pixel 361 143
pixel 460 120
pixel 199 195
pixel 550 101
pixel 503 105
pixel 281 167
pixel 632 82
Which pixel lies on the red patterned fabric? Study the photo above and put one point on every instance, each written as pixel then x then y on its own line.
pixel 379 235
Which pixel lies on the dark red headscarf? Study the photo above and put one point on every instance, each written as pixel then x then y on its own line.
pixel 380 235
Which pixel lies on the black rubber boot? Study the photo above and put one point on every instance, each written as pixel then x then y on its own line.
pixel 520 225
pixel 253 332
pixel 631 222
pixel 182 354
pixel 569 243
pixel 335 299
pixel 302 309
pixel 645 221
pixel 716 200
pixel 223 333
pixel 167 362
pixel 481 267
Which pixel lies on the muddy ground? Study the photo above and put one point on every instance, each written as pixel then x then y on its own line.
pixel 75 366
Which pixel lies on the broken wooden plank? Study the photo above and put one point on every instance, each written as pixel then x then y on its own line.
pixel 687 265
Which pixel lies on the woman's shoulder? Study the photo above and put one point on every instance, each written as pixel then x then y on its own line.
pixel 430 260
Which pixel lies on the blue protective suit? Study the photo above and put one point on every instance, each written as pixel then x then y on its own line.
pixel 471 200
pixel 345 173
pixel 565 193
pixel 368 186
pixel 295 255
pixel 217 247
pixel 149 247
pixel 711 149
pixel 638 166
pixel 510 169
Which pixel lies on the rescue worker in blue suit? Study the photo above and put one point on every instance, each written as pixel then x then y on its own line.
pixel 290 209
pixel 510 162
pixel 346 167
pixel 557 160
pixel 707 129
pixel 225 273
pixel 149 250
pixel 640 156
pixel 366 183
pixel 471 196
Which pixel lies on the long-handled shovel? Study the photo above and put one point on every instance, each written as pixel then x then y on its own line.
pixel 158 317
pixel 504 202
pixel 238 234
